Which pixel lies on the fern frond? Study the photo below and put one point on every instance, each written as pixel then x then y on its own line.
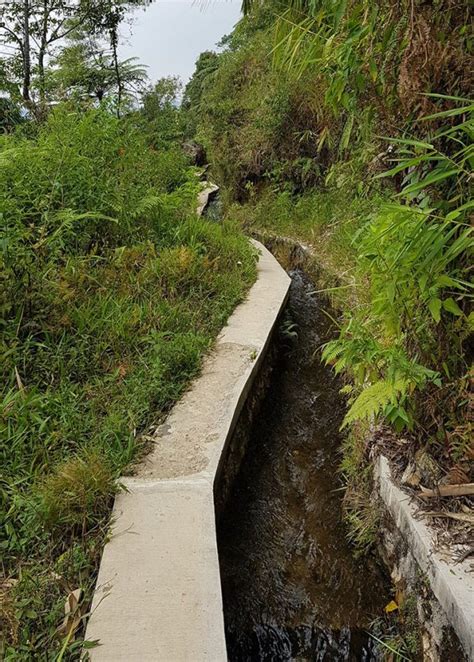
pixel 147 205
pixel 373 400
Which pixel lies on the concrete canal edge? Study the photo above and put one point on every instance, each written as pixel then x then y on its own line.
pixel 204 197
pixel 158 593
pixel 407 541
pixel 452 583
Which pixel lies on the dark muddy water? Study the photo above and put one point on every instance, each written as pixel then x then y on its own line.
pixel 292 589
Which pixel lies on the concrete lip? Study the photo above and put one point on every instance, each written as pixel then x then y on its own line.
pixel 452 584
pixel 158 594
pixel 205 196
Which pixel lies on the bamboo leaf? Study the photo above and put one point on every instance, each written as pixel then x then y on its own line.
pixel 408 141
pixel 427 181
pixel 452 307
pixel 452 112
pixel 434 306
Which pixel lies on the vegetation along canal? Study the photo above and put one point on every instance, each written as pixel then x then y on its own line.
pixel 292 587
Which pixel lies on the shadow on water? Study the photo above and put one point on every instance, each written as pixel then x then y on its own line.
pixel 292 589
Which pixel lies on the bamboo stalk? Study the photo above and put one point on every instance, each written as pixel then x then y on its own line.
pixel 465 489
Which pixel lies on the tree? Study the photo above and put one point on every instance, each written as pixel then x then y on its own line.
pixel 85 68
pixel 34 29
pixel 206 64
pixel 160 109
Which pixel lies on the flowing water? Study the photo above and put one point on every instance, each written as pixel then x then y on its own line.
pixel 292 588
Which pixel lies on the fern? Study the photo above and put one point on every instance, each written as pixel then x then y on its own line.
pixel 373 400
pixel 148 205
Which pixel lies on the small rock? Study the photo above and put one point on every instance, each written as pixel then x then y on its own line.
pixel 428 469
pixel 410 476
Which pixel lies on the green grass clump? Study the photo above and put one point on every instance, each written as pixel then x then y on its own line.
pixel 76 494
pixel 361 514
pixel 113 291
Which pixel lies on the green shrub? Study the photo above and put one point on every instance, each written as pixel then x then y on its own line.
pixel 416 256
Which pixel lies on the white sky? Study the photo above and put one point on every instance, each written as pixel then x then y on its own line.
pixel 168 36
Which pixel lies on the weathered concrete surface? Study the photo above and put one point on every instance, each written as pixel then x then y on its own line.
pixel 192 434
pixel 158 594
pixel 158 578
pixel 204 197
pixel 452 584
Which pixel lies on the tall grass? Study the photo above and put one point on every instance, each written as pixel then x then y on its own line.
pixel 113 291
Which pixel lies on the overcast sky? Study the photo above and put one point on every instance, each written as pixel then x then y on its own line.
pixel 169 35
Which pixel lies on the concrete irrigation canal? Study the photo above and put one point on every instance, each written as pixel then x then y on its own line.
pixel 292 588
pixel 229 544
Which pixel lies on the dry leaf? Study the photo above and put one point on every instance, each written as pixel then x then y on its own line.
pixel 72 614
pixel 392 606
pixel 19 383
pixel 457 475
pixel 7 584
pixel 399 597
pixel 122 371
pixel 411 476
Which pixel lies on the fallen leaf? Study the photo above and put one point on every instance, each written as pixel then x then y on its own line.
pixel 122 371
pixel 399 597
pixel 19 383
pixel 411 476
pixel 72 614
pixel 457 475
pixel 392 606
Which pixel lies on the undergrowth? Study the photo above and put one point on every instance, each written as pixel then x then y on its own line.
pixel 348 126
pixel 112 292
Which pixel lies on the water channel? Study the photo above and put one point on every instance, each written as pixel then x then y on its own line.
pixel 292 587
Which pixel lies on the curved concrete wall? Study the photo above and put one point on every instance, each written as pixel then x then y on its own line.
pixel 451 583
pixel 158 594
pixel 205 196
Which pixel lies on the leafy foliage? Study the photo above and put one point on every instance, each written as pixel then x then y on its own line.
pixel 416 256
pixel 298 145
pixel 163 121
pixel 112 291
pixel 34 32
pixel 83 70
pixel 206 65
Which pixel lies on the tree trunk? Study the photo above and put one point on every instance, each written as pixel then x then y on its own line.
pixel 26 53
pixel 41 55
pixel 113 40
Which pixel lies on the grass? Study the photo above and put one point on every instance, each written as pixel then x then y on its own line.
pixel 112 359
pixel 361 514
pixel 399 635
pixel 105 323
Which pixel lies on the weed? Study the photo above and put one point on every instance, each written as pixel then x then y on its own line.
pixel 76 495
pixel 360 514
